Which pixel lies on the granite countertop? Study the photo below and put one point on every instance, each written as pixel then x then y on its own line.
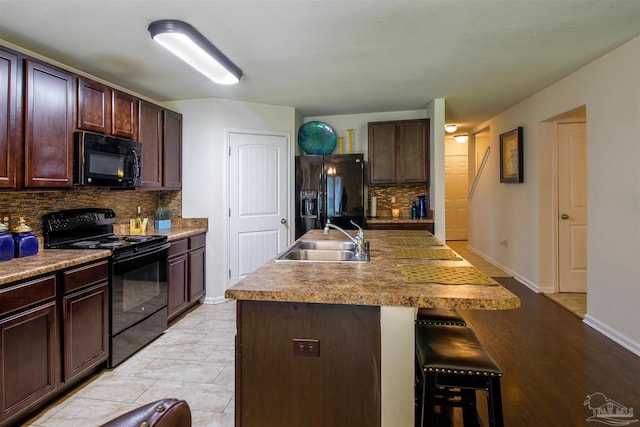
pixel 378 282
pixel 49 260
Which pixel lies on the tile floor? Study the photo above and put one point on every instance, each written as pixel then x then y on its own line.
pixel 192 360
pixel 574 302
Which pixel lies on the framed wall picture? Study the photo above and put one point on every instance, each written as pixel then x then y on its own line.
pixel 511 156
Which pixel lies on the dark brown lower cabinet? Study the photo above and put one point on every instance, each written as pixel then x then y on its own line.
pixel 186 273
pixel 196 273
pixel 86 329
pixel 178 278
pixel 337 385
pixel 54 331
pixel 29 359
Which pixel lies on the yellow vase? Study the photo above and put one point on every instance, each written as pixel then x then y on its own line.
pixel 350 136
pixel 340 141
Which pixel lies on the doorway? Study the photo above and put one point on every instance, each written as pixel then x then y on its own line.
pixel 572 207
pixel 563 205
pixel 258 199
pixel 456 189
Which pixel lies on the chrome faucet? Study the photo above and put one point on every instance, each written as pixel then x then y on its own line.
pixel 362 246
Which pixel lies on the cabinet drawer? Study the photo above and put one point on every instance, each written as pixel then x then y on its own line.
pixel 179 247
pixel 85 275
pixel 26 294
pixel 197 241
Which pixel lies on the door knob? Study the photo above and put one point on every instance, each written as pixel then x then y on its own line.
pixel 283 221
pixel 564 216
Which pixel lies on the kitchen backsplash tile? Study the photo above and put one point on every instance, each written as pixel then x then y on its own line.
pixel 404 195
pixel 33 204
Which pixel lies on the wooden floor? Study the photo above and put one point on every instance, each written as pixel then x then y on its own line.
pixel 552 361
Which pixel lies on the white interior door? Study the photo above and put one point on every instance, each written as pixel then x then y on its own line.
pixel 455 197
pixel 258 208
pixel 572 207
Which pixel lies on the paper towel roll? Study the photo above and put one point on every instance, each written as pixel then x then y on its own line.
pixel 373 211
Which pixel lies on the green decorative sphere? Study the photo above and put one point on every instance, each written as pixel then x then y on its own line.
pixel 316 138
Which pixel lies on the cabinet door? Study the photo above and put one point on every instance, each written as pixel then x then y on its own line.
pixel 29 359
pixel 382 153
pixel 8 118
pixel 48 139
pixel 86 329
pixel 124 111
pixel 172 161
pixel 178 292
pixel 414 147
pixel 151 139
pixel 94 106
pixel 196 274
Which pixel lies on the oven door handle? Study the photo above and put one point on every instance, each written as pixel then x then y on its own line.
pixel 140 252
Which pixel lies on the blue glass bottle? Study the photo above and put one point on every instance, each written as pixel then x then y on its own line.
pixel 6 242
pixel 26 244
pixel 422 206
pixel 414 210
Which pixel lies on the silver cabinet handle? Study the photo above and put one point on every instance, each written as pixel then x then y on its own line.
pixel 283 221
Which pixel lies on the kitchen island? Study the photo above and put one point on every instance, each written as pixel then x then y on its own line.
pixel 325 343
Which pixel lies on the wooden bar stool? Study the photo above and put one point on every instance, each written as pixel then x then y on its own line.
pixel 453 357
pixel 439 316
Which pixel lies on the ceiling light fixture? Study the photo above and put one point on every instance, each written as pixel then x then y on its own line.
pixel 461 138
pixel 191 46
pixel 451 128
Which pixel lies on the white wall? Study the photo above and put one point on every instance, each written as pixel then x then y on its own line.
pixel 436 158
pixel 610 90
pixel 205 170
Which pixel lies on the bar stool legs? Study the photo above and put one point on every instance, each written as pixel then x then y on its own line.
pixel 452 357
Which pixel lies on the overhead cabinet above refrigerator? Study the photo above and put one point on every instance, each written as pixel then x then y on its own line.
pixel 329 187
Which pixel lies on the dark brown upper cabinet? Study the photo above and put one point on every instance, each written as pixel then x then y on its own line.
pixel 9 117
pixel 172 170
pixel 48 137
pixel 107 111
pixel 398 152
pixel 152 142
pixel 161 138
pixel 124 115
pixel 94 106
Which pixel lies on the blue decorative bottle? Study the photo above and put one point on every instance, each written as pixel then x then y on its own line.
pixel 26 244
pixel 6 242
pixel 422 206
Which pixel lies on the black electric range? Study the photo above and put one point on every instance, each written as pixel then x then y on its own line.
pixel 137 279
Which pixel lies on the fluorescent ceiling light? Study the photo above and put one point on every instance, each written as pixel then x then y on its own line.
pixel 188 44
pixel 451 128
pixel 461 138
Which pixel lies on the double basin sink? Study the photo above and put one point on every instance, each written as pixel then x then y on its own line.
pixel 324 251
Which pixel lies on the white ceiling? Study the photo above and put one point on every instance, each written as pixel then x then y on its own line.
pixel 335 57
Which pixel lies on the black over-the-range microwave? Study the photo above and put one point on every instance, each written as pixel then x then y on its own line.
pixel 106 161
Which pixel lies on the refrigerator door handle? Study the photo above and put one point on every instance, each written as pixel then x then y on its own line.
pixel 322 212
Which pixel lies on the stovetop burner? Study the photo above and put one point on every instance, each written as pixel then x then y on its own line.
pixel 85 243
pixel 90 229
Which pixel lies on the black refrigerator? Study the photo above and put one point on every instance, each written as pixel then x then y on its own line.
pixel 329 187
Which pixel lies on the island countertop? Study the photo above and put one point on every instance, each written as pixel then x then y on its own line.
pixel 378 282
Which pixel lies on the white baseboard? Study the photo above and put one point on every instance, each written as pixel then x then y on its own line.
pixel 612 334
pixel 519 278
pixel 215 300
